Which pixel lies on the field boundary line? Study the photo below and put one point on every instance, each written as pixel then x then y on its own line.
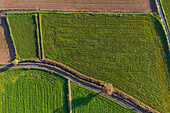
pixel 163 21
pixel 70 96
pixel 39 36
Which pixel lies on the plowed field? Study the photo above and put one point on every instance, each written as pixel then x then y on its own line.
pixel 82 5
pixel 7 52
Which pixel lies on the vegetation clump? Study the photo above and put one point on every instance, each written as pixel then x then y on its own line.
pixel 15 62
pixel 108 88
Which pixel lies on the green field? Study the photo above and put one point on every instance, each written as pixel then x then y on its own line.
pixel 166 7
pixel 32 91
pixel 23 32
pixel 126 50
pixel 86 101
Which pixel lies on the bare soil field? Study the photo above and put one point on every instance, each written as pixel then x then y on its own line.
pixel 139 6
pixel 7 52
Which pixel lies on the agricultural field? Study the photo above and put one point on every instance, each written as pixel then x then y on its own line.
pixel 146 6
pixel 86 101
pixel 166 7
pixel 32 91
pixel 23 32
pixel 129 51
pixel 7 53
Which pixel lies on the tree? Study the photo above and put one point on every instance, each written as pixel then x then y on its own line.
pixel 15 62
pixel 108 88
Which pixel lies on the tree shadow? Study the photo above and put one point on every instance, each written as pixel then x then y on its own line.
pixel 166 49
pixel 83 100
pixel 5 68
pixel 78 102
pixel 153 6
pixel 8 38
pixel 60 110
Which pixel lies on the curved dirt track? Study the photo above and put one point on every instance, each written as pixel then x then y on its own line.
pixel 77 81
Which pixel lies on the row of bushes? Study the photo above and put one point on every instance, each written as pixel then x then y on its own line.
pixel 133 101
pixel 73 72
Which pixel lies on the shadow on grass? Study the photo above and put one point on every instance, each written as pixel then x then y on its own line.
pixel 8 38
pixel 5 68
pixel 153 6
pixel 78 102
pixel 62 109
pixel 166 49
pixel 83 100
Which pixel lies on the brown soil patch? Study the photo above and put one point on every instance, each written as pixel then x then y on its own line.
pixel 7 52
pixel 146 6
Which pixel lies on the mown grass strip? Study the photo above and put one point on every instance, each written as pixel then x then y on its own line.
pixel 128 50
pixel 38 38
pixel 42 47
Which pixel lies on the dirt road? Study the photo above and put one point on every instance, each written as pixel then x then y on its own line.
pixel 163 21
pixel 146 6
pixel 77 81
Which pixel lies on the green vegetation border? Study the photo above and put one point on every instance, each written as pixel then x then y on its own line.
pixel 68 95
pixel 164 14
pixel 166 43
pixel 42 47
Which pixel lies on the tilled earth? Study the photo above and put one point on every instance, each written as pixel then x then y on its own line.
pixel 7 53
pixel 146 6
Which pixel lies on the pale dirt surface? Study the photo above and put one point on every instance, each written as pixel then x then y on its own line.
pixel 163 21
pixel 7 53
pixel 146 6
pixel 77 81
pixel 70 96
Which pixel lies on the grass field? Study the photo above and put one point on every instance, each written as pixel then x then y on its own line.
pixel 166 7
pixel 32 91
pixel 86 101
pixel 126 50
pixel 23 32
